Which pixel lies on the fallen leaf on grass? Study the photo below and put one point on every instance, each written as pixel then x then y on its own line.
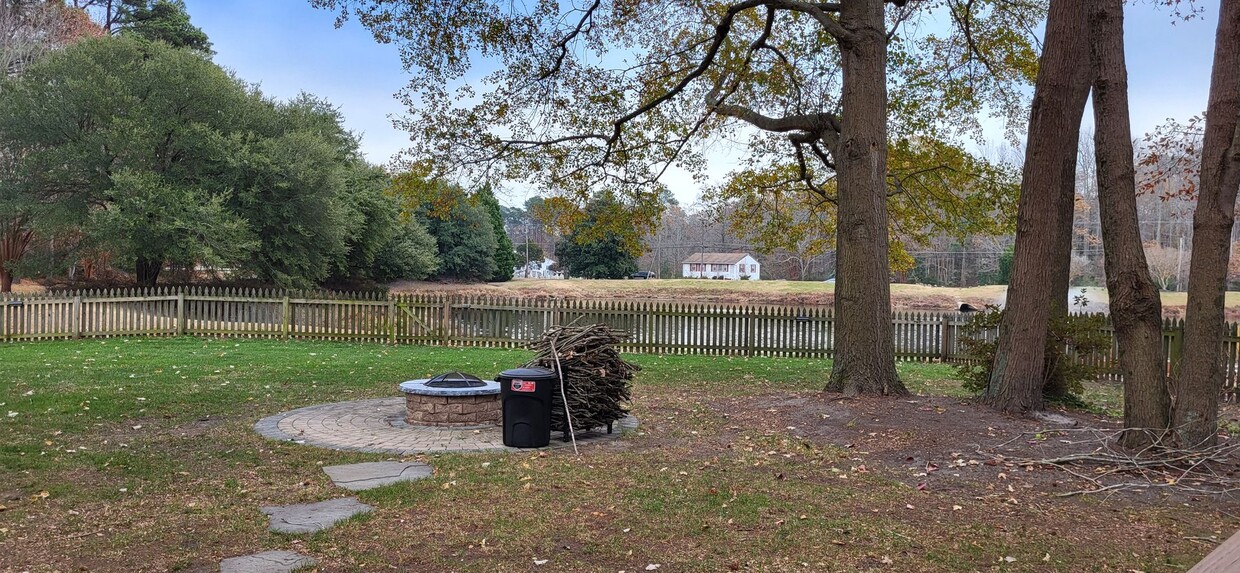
pixel 541 561
pixel 653 566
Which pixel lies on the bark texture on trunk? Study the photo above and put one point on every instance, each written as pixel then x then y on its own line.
pixel 1055 385
pixel 1195 420
pixel 865 353
pixel 1019 371
pixel 1136 310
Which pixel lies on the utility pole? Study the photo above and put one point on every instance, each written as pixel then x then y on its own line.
pixel 1179 266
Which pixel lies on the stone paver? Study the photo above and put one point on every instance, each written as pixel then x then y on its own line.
pixel 378 426
pixel 312 517
pixel 358 477
pixel 267 562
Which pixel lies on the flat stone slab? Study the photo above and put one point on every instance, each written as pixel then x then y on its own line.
pixel 358 477
pixel 267 562
pixel 312 517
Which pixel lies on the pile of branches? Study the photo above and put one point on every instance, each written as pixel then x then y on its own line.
pixel 596 380
pixel 1105 467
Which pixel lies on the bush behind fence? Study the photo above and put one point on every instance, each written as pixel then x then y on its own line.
pixel 464 320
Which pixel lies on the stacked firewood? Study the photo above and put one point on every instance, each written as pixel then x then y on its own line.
pixel 596 380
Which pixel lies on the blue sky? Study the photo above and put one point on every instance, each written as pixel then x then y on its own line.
pixel 287 47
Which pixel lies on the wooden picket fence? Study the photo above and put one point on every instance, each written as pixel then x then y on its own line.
pixel 457 320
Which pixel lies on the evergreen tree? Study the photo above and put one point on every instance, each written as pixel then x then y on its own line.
pixel 465 239
pixel 161 21
pixel 505 258
pixel 594 250
pixel 411 254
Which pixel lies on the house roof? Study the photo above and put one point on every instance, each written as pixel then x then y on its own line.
pixel 715 258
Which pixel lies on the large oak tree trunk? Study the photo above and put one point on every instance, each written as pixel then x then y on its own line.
pixel 1200 378
pixel 1136 310
pixel 1062 87
pixel 864 351
pixel 1060 274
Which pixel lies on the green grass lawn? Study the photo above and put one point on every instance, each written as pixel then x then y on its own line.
pixel 138 455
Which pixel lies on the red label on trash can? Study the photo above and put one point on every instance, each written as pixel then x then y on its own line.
pixel 522 385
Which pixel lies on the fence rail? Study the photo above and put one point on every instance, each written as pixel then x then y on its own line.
pixel 457 320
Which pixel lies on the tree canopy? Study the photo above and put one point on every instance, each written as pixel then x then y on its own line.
pixel 610 95
pixel 161 21
pixel 159 156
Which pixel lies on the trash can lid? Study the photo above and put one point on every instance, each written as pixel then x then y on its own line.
pixel 535 373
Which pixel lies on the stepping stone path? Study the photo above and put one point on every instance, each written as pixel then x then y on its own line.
pixel 358 477
pixel 267 562
pixel 312 517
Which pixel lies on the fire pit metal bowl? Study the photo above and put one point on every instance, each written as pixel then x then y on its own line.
pixel 452 399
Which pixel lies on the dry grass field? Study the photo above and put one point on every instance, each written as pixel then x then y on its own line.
pixel 903 296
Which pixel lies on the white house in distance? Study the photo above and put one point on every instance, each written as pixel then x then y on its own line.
pixel 731 266
pixel 537 270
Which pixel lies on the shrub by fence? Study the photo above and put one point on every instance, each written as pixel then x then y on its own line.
pixel 457 320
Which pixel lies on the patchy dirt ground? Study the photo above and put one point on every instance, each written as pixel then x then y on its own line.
pixel 936 442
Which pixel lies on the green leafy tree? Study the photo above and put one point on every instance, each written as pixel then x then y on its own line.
pixel 29 30
pixel 594 250
pixel 290 171
pixel 150 221
pixel 461 224
pixel 505 258
pixel 113 119
pixel 371 221
pixel 107 108
pixel 411 254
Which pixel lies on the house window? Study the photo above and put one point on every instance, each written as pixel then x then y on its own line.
pixel 719 268
pixel 753 268
pixel 696 267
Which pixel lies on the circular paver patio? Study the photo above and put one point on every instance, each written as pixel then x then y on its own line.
pixel 378 426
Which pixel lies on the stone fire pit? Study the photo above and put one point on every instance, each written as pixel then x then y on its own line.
pixel 452 400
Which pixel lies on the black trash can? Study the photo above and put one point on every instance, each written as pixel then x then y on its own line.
pixel 525 395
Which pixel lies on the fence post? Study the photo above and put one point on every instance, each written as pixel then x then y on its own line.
pixel 1175 349
pixel 944 338
pixel 77 316
pixel 751 330
pixel 181 327
pixel 286 317
pixel 447 321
